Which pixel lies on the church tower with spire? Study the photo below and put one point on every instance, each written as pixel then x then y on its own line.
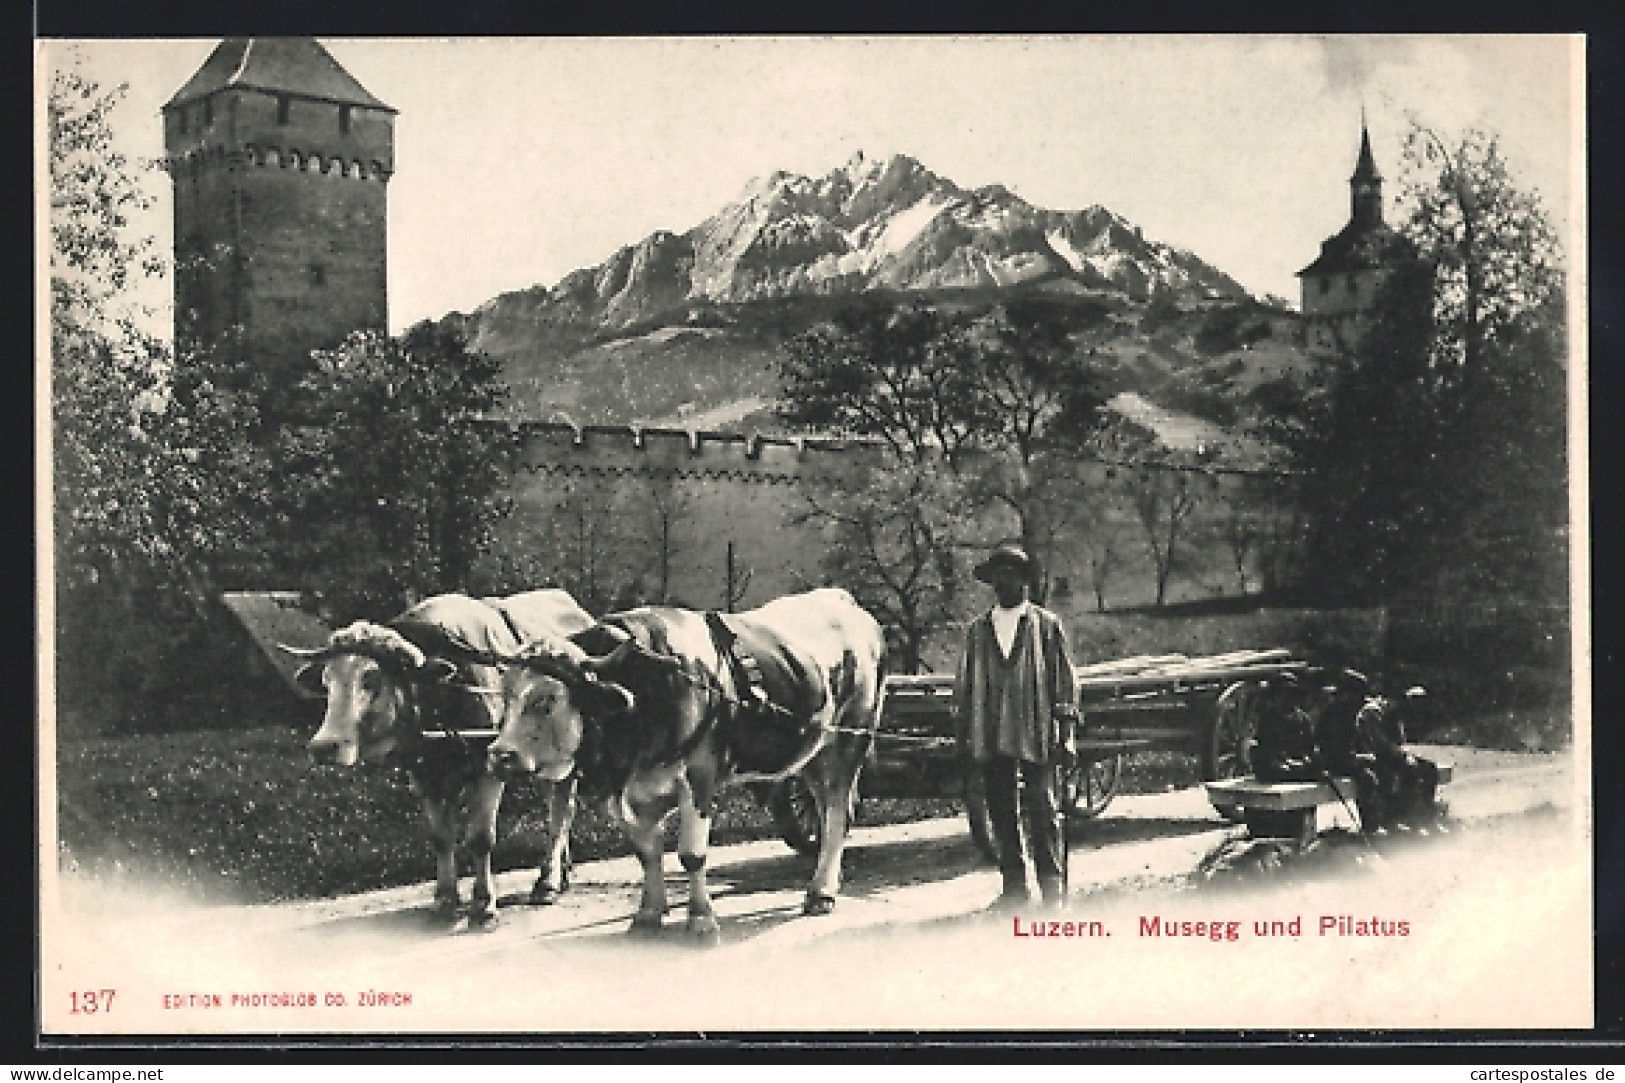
pixel 1365 186
pixel 1340 286
pixel 280 162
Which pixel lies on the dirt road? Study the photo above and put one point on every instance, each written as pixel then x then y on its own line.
pixel 1505 893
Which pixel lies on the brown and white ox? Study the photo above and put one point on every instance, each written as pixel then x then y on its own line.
pixel 405 693
pixel 655 712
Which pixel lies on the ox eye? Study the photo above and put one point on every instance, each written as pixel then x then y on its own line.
pixel 372 682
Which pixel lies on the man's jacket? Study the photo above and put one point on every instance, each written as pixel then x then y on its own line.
pixel 1022 714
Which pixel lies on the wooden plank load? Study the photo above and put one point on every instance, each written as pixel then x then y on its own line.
pixel 1117 679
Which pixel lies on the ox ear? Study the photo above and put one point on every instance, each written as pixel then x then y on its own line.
pixel 606 697
pixel 309 677
pixel 438 670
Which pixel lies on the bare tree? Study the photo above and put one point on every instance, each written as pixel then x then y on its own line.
pixel 736 581
pixel 669 509
pixel 1241 531
pixel 586 554
pixel 893 545
pixel 1283 529
pixel 1102 557
pixel 1164 498
pixel 1099 539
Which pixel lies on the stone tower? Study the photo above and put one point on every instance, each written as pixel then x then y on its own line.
pixel 1340 286
pixel 281 162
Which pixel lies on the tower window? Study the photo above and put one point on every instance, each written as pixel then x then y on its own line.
pixel 208 112
pixel 318 275
pixel 282 104
pixel 1354 286
pixel 344 120
pixel 182 112
pixel 1325 286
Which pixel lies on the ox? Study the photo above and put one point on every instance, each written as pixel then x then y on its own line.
pixel 658 708
pixel 404 693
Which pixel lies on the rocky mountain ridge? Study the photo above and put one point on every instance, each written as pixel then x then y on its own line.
pixel 869 224
pixel 693 323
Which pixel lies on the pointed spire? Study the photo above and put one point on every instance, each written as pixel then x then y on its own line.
pixel 1365 187
pixel 1366 167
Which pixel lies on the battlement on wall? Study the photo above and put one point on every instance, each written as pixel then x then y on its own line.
pixel 292 159
pixel 557 447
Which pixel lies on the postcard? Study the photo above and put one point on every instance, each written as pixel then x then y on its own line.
pixel 714 535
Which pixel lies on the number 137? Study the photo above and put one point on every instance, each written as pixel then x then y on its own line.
pixel 92 1001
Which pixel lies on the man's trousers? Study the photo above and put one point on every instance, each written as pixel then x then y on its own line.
pixel 1015 787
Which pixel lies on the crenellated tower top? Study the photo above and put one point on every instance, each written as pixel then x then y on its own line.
pixel 280 161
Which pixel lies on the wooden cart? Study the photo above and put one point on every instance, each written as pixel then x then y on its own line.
pixel 1203 705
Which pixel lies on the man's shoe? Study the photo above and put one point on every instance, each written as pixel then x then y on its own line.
pixel 1011 899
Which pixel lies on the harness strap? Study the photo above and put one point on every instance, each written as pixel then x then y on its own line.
pixel 415 728
pixel 730 702
pixel 686 747
pixel 518 636
pixel 747 675
pixel 747 670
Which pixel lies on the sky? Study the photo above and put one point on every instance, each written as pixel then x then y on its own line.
pixel 519 160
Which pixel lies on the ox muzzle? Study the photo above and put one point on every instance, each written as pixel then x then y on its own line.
pixel 545 744
pixel 510 765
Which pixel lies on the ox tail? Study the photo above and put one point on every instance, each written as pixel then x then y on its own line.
pixel 871 726
pixel 879 707
pixel 880 703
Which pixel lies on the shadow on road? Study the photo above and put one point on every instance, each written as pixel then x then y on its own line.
pixel 1094 834
pixel 875 868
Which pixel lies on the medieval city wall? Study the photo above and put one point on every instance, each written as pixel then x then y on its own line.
pixel 620 516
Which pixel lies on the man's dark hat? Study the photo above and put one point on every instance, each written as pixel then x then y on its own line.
pixel 1008 555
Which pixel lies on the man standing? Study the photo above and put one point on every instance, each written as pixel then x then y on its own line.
pixel 1015 700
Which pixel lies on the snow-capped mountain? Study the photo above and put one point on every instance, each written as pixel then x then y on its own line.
pixel 872 224
pixel 689 326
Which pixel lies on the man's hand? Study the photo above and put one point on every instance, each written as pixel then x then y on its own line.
pixel 1067 730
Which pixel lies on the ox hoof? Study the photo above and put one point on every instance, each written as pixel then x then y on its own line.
pixel 704 931
pixel 817 905
pixel 646 926
pixel 444 909
pixel 545 894
pixel 482 921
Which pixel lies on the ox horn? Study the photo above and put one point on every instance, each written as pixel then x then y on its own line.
pixel 614 657
pixel 308 653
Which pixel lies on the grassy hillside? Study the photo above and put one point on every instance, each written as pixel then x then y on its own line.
pixel 665 374
pixel 708 359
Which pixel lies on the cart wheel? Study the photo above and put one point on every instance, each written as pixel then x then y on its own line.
pixel 795 813
pixel 1087 787
pixel 981 822
pixel 1229 750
